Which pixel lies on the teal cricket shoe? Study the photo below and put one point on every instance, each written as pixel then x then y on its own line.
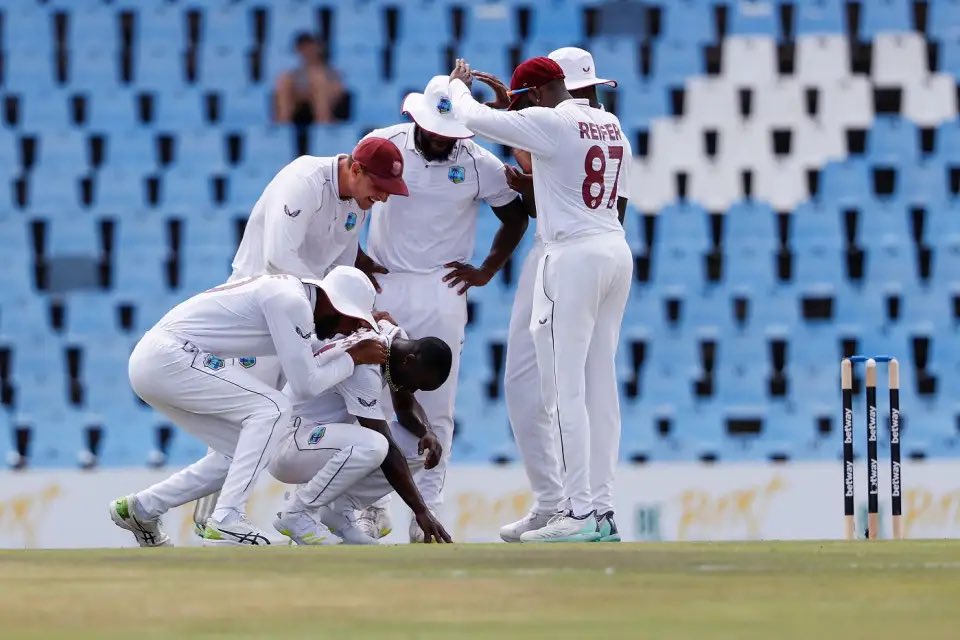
pixel 608 528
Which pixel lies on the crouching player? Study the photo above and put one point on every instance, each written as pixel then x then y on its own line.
pixel 342 453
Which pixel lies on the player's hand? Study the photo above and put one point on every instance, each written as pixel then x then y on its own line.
pixel 369 351
pixel 431 444
pixel 433 531
pixel 519 181
pixel 466 276
pixel 500 90
pixel 385 315
pixel 461 71
pixel 524 160
pixel 369 267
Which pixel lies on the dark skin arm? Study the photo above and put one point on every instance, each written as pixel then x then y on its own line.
pixel 366 264
pixel 412 417
pixel 621 209
pixel 397 473
pixel 513 224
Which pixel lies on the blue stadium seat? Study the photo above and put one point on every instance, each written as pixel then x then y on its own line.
pixel 246 109
pixel 890 261
pixel 91 315
pixel 47 110
pixel 493 23
pixel 682 224
pixel 288 18
pixel 617 59
pixel 675 60
pixel 415 64
pixel 884 15
pixel 946 262
pixel 183 189
pixel 493 58
pixel 688 21
pixel 159 67
pixel 119 189
pixel 818 267
pixel 62 150
pixel 892 140
pixel 819 17
pixel 923 184
pixel 57 432
pixel 365 62
pixel 224 68
pixel 750 224
pixel 116 113
pixel 750 17
pixel 638 104
pixel 182 109
pixel 28 68
pixel 943 224
pixel 753 268
pixel 816 224
pixel 73 234
pixel 26 26
pixel 160 25
pixel 330 140
pixel 205 229
pixel 943 21
pixel 227 26
pixel 94 68
pixel 882 224
pixel 93 25
pixel 424 22
pixel 268 148
pixel 560 19
pixel 200 150
pixel 52 201
pixel 356 22
pixel 135 147
pixel 845 183
pixel 949 57
pixel 205 267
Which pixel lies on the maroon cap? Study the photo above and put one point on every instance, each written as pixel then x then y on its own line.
pixel 383 162
pixel 531 74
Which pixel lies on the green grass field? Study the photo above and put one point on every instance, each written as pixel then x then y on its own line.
pixel 904 590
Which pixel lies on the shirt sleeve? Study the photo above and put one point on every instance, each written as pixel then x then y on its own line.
pixel 290 205
pixel 493 182
pixel 361 392
pixel 291 326
pixel 532 129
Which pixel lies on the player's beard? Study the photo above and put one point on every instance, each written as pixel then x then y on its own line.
pixel 326 327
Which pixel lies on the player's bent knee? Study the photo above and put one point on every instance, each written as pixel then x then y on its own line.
pixel 376 447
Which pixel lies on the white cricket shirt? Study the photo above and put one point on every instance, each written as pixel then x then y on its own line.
pixel 261 316
pixel 300 225
pixel 362 395
pixel 580 158
pixel 437 223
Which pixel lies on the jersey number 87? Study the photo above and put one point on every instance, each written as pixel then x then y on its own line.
pixel 594 165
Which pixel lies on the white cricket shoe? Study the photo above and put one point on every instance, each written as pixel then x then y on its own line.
pixel 375 522
pixel 564 527
pixel 344 525
pixel 237 531
pixel 530 522
pixel 301 527
pixel 149 533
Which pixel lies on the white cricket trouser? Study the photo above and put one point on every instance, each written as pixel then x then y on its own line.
pixel 580 294
pixel 238 416
pixel 533 431
pixel 425 306
pixel 342 467
pixel 325 460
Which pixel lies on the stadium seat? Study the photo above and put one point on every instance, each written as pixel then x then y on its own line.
pixel 943 21
pixel 749 61
pixel 884 15
pixel 675 60
pixel 899 59
pixel 780 183
pixel 712 102
pixel 822 59
pixel 753 17
pixel 687 20
pixel 932 101
pixel 561 19
pixel 745 144
pixel 819 17
pixel 891 140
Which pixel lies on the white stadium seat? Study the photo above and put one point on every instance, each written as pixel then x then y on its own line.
pixel 899 58
pixel 715 185
pixel 674 143
pixel 781 183
pixel 652 186
pixel 749 60
pixel 710 102
pixel 932 101
pixel 815 143
pixel 781 104
pixel 745 145
pixel 822 59
pixel 849 103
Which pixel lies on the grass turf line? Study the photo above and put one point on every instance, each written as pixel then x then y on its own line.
pixel 679 590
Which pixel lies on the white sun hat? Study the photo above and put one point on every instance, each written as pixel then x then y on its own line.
pixel 578 68
pixel 433 111
pixel 350 292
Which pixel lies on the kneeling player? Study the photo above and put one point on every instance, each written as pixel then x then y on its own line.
pixel 341 438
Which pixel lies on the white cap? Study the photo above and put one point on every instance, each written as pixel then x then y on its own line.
pixel 433 111
pixel 350 292
pixel 578 68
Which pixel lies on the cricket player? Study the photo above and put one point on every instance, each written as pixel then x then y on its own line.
pixel 343 454
pixel 178 368
pixel 536 440
pixel 308 220
pixel 579 156
pixel 426 240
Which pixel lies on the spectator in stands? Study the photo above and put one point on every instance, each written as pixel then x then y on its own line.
pixel 312 92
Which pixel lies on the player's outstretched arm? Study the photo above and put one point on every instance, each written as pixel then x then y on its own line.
pixel 397 473
pixel 413 418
